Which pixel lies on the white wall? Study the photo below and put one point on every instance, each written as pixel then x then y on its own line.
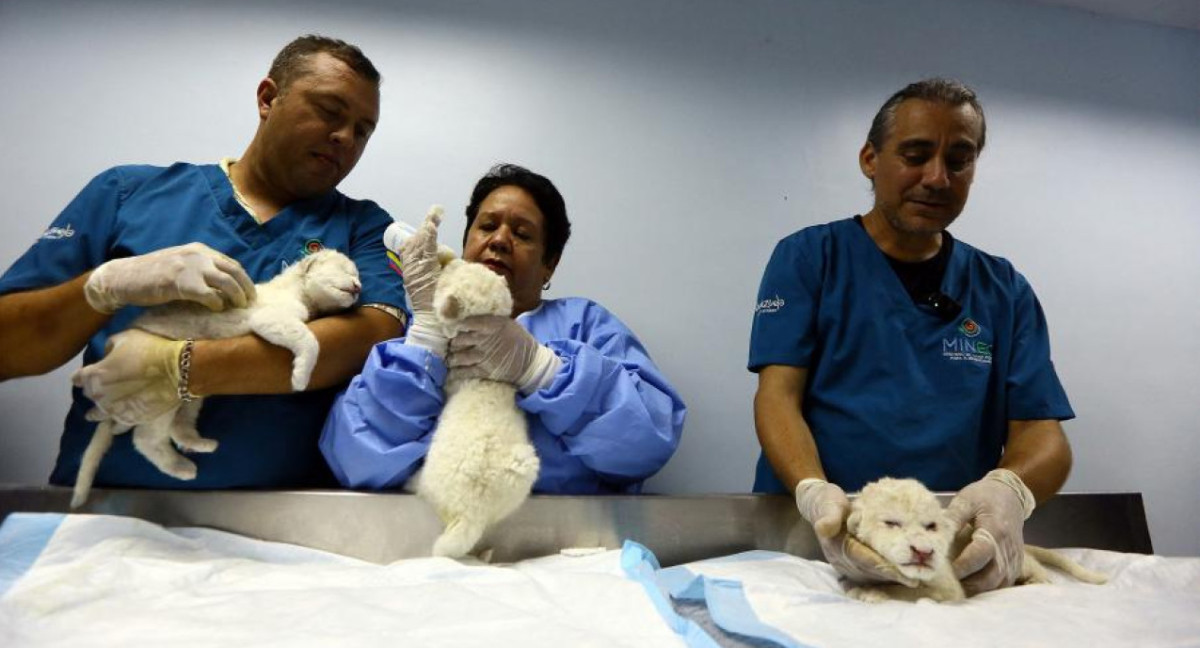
pixel 688 136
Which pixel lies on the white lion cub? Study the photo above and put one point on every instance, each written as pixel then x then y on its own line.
pixel 323 282
pixel 481 465
pixel 904 522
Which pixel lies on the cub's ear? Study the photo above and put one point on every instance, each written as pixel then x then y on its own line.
pixel 854 521
pixel 451 308
pixel 306 264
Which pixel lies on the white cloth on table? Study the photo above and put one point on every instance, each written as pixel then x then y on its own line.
pixel 89 580
pixel 115 581
pixel 1149 601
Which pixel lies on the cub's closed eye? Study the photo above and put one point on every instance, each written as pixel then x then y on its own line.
pixel 932 526
pixel 893 524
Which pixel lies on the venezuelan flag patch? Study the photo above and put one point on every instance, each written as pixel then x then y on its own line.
pixel 394 262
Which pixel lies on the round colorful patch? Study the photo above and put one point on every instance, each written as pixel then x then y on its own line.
pixel 312 245
pixel 969 328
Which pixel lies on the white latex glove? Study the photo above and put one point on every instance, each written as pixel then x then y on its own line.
pixel 498 348
pixel 997 507
pixel 136 382
pixel 825 507
pixel 192 272
pixel 421 267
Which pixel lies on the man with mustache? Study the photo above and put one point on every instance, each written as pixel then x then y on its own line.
pixel 139 236
pixel 886 347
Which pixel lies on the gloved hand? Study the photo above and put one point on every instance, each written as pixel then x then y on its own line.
pixel 421 267
pixel 138 379
pixel 997 507
pixel 498 348
pixel 192 272
pixel 825 507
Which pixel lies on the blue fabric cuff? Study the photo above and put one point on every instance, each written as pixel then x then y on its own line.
pixel 562 404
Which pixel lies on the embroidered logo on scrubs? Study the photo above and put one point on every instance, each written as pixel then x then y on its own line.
pixel 965 346
pixel 310 246
pixel 55 233
pixel 771 305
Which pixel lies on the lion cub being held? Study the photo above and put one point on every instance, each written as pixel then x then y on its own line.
pixel 322 283
pixel 481 465
pixel 904 522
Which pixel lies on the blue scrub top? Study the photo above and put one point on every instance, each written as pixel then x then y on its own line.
pixel 893 389
pixel 608 421
pixel 132 210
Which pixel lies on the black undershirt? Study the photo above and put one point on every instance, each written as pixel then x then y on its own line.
pixel 921 278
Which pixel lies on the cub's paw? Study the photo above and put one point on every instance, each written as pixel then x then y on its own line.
pixel 867 594
pixel 198 444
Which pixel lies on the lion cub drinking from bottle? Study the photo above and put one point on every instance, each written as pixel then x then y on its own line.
pixel 904 522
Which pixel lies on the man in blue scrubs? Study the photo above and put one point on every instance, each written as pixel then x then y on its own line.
pixel 886 347
pixel 138 236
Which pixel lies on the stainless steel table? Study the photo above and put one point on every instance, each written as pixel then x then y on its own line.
pixel 384 527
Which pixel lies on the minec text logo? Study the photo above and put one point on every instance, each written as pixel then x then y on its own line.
pixel 55 233
pixel 966 346
pixel 771 305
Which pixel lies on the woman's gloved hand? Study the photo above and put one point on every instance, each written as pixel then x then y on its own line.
pixel 421 268
pixel 498 348
pixel 192 272
pixel 997 507
pixel 826 507
pixel 137 381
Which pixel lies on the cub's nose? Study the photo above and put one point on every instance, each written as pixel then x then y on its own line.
pixel 922 557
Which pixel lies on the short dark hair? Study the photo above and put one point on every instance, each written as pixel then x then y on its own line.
pixel 938 90
pixel 292 61
pixel 557 228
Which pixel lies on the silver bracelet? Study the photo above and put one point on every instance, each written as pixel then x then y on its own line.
pixel 185 369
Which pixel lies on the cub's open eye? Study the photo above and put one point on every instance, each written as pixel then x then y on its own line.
pixel 892 524
pixel 932 527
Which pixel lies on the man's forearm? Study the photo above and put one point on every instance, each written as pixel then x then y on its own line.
pixel 788 444
pixel 42 329
pixel 250 365
pixel 784 435
pixel 1038 452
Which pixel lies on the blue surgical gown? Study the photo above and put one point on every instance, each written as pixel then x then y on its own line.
pixel 607 422
pixel 893 389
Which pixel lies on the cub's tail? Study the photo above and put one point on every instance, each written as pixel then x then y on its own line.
pixel 101 441
pixel 459 538
pixel 1058 561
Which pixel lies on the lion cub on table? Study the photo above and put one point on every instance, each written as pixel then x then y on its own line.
pixel 904 522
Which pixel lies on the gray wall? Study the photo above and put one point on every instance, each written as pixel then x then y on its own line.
pixel 688 137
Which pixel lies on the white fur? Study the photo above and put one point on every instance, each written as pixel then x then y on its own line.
pixel 321 283
pixel 904 522
pixel 481 465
